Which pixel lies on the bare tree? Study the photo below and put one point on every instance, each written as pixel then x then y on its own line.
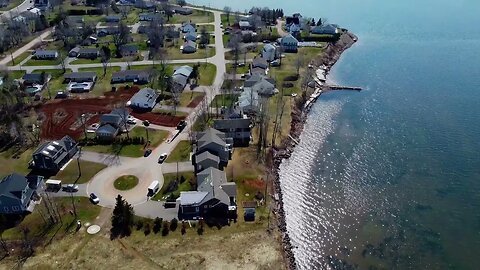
pixel 227 10
pixel 181 3
pixel 124 10
pixel 105 55
pixel 299 63
pixel 263 120
pixel 121 37
pixel 277 126
pixel 63 59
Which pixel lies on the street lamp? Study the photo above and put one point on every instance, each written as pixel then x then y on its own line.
pixel 146 123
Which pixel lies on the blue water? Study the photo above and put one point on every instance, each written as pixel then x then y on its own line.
pixel 389 178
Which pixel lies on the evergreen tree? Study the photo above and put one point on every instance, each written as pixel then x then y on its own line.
pixel 173 224
pixel 146 229
pixel 122 218
pixel 157 225
pixel 165 228
pixel 184 228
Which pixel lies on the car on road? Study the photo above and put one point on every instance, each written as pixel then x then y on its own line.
pixel 70 188
pixel 147 152
pixel 182 125
pixel 162 158
pixel 94 199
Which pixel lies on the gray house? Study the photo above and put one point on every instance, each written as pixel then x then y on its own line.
pixel 51 156
pixel 88 53
pixel 112 19
pixel 136 76
pixel 270 52
pixel 289 43
pixel 180 76
pixel 18 193
pixel 111 124
pixel 188 27
pixel 206 160
pixel 190 36
pixel 215 198
pixel 189 47
pixel 239 129
pixel 182 10
pixel 129 50
pixel 214 142
pixel 45 54
pixel 80 77
pixel 144 100
pixel 325 29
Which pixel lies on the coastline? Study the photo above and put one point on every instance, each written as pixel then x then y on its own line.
pixel 299 115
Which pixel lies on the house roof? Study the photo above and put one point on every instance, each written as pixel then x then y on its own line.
pixel 188 27
pixel 80 75
pixel 19 187
pixel 129 48
pixel 192 197
pixel 230 188
pixel 289 39
pixel 244 23
pixel 325 29
pixel 32 77
pixel 184 71
pixel 109 118
pixel 190 36
pixel 131 73
pixel 88 51
pixel 211 136
pixel 145 96
pixel 56 149
pixel 190 44
pixel 211 180
pixel 231 123
pixel 106 128
pixel 264 87
pixel 206 156
pixel 45 52
pixel 269 48
pixel 259 62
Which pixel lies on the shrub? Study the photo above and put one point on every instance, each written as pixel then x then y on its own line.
pixel 146 229
pixel 291 78
pixel 165 228
pixel 287 85
pixel 184 228
pixel 173 224
pixel 139 224
pixel 157 225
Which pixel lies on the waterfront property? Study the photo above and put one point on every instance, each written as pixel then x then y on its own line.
pixel 325 29
pixel 239 129
pixel 214 142
pixel 144 100
pixel 112 124
pixel 182 10
pixel 53 155
pixel 289 43
pixel 259 66
pixel 18 193
pixel 255 86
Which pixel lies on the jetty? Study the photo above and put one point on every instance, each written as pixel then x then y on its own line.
pixel 340 87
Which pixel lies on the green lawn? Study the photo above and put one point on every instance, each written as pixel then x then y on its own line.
pixel 98 60
pixel 86 212
pixel 125 182
pixel 56 81
pixel 70 174
pixel 34 62
pixel 224 100
pixel 170 177
pixel 170 112
pixel 16 74
pixel 174 53
pixel 207 74
pixel 198 16
pixel 181 152
pixel 17 60
pixel 103 82
pixel 189 96
pixel 15 162
pixel 240 70
pixel 135 150
pixel 244 56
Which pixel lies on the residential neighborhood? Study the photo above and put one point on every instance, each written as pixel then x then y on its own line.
pixel 168 110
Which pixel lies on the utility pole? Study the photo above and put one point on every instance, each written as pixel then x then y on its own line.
pixel 177 170
pixel 84 126
pixel 146 123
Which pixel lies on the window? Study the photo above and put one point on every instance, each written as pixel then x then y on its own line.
pixel 5 209
pixel 15 208
pixel 197 209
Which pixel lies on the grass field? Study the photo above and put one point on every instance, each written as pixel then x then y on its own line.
pixel 34 62
pixel 103 82
pixel 224 100
pixel 188 96
pixel 181 152
pixel 70 174
pixel 170 177
pixel 198 16
pixel 17 60
pixel 240 70
pixel 135 150
pixel 175 53
pixel 56 81
pixel 12 163
pixel 125 182
pixel 16 74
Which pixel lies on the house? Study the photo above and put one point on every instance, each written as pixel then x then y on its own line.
pixel 181 75
pixel 270 52
pixel 190 36
pixel 89 41
pixel 294 29
pixel 182 10
pixel 53 155
pixel 289 43
pixel 206 160
pixel 80 77
pixel 244 25
pixel 325 29
pixel 188 27
pixel 129 50
pixel 189 47
pixel 136 76
pixel 259 66
pixel 215 142
pixel 45 54
pixel 239 129
pixel 148 16
pixel 143 100
pixel 112 19
pixel 30 79
pixel 255 86
pixel 74 52
pixel 112 124
pixel 214 200
pixel 144 4
pixel 105 31
pixel 88 53
pixel 18 194
pixel 41 4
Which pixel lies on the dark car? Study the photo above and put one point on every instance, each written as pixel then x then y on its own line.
pixel 94 199
pixel 147 152
pixel 162 158
pixel 182 125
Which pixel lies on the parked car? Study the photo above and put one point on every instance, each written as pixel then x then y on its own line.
pixel 182 125
pixel 70 188
pixel 147 152
pixel 162 158
pixel 275 63
pixel 94 199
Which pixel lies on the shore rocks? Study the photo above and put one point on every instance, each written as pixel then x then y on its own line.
pixel 328 59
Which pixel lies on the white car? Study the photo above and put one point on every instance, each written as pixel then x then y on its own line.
pixel 162 158
pixel 70 188
pixel 94 199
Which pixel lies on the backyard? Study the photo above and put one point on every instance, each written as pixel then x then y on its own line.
pixel 170 188
pixel 103 83
pixel 70 175
pixel 181 152
pixel 227 100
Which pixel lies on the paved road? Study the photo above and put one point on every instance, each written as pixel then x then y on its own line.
pixel 280 30
pixel 25 48
pixel 16 10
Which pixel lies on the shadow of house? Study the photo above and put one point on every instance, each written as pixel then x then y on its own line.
pixel 18 194
pixel 53 155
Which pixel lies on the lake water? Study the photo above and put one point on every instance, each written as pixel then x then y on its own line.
pixel 389 178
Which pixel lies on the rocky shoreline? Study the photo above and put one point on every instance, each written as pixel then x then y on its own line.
pixel 328 58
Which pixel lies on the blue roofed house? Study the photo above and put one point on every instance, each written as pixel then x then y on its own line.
pixel 111 124
pixel 270 52
pixel 112 19
pixel 18 193
pixel 144 100
pixel 45 54
pixel 189 47
pixel 190 36
pixel 148 16
pixel 289 43
pixel 136 76
pixel 188 27
pixel 180 77
pixel 53 155
pixel 215 198
pixel 255 86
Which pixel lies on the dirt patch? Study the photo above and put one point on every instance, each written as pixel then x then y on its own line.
pixel 195 101
pixel 160 119
pixel 257 184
